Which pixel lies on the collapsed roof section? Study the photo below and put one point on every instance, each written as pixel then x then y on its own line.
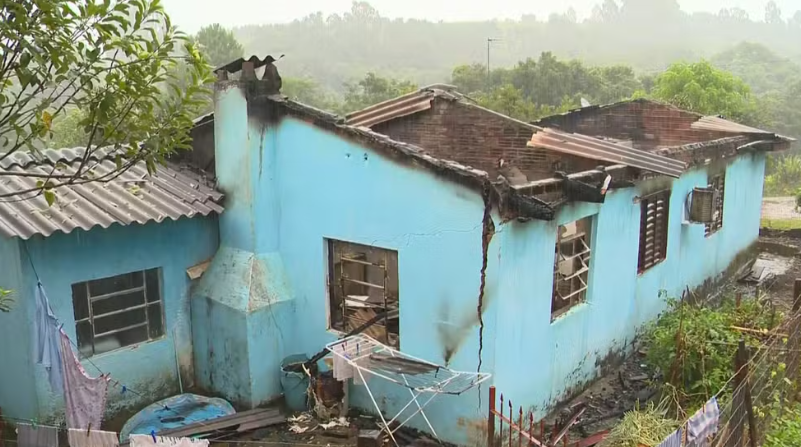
pixel 597 149
pixel 604 146
pixel 654 126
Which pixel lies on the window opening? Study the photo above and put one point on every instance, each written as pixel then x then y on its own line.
pixel 654 218
pixel 363 284
pixel 718 184
pixel 118 311
pixel 571 266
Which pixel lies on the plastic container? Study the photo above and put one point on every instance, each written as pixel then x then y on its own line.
pixel 295 383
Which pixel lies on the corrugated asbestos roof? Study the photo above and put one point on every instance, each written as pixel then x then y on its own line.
pixel 132 197
pixel 597 149
pixel 718 124
pixel 401 106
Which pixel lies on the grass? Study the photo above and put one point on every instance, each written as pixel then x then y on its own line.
pixel 781 224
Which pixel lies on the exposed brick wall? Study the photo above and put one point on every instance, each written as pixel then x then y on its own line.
pixel 649 125
pixel 202 154
pixel 478 138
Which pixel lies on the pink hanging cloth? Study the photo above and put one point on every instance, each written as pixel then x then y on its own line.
pixel 84 396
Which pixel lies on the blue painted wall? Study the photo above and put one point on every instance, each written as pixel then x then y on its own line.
pixel 17 385
pixel 291 185
pixel 64 259
pixel 560 357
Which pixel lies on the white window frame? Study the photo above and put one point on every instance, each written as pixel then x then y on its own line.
pixel 91 319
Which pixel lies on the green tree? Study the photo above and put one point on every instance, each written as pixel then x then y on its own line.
pixel 107 59
pixel 773 14
pixel 702 88
pixel 218 45
pixel 373 89
pixel 470 78
pixel 307 91
pixel 509 100
pixel 66 130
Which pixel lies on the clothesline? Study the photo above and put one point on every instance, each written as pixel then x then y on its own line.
pixel 115 383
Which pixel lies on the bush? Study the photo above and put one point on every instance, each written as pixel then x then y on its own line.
pixel 694 346
pixel 784 176
pixel 785 431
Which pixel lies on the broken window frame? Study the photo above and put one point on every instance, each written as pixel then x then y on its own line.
pixel 656 237
pixel 343 317
pixel 578 280
pixel 717 183
pixel 149 287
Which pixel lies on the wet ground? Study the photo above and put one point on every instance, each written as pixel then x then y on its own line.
pixel 779 208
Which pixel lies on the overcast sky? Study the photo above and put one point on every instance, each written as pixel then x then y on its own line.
pixel 192 14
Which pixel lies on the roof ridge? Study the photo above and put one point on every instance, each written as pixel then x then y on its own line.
pixel 51 156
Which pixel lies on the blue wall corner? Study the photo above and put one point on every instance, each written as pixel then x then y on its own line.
pixel 148 369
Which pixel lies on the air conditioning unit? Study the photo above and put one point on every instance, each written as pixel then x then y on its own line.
pixel 703 202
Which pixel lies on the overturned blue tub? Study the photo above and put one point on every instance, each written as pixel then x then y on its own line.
pixel 175 412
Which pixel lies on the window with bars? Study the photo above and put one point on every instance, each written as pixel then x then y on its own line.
pixel 654 217
pixel 571 266
pixel 118 311
pixel 718 184
pixel 363 284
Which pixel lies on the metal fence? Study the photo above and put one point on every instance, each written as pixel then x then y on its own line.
pixel 507 427
pixel 764 382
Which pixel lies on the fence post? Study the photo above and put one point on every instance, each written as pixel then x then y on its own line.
pixel 491 418
pixel 742 352
pixel 794 340
pixel 737 421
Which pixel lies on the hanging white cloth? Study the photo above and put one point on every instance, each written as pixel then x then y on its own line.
pixel 147 441
pixel 342 369
pixel 36 436
pixel 92 438
pixel 85 397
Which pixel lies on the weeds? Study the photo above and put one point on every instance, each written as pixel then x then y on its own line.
pixel 693 346
pixel 784 178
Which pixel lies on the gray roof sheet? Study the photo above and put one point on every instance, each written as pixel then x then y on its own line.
pixel 132 197
pixel 597 149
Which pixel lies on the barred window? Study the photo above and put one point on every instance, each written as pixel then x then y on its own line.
pixel 717 183
pixel 571 266
pixel 118 311
pixel 654 218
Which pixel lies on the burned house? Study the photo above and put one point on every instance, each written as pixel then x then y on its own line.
pixel 534 252
pixel 529 251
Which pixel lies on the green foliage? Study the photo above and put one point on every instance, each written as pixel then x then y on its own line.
pixel 510 101
pixel 374 89
pixel 109 59
pixel 786 430
pixel 307 91
pixel 702 88
pixel 6 300
pixel 694 346
pixel 545 86
pixel 762 69
pixel 784 175
pixel 218 45
pixel 645 34
pixel 67 130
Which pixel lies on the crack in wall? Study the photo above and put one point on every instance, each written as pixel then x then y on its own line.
pixel 487 233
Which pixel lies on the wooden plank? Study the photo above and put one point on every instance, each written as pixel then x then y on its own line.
pixel 266 422
pixel 219 424
pixel 245 417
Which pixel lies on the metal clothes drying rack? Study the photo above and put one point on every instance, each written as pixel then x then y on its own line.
pixel 368 356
